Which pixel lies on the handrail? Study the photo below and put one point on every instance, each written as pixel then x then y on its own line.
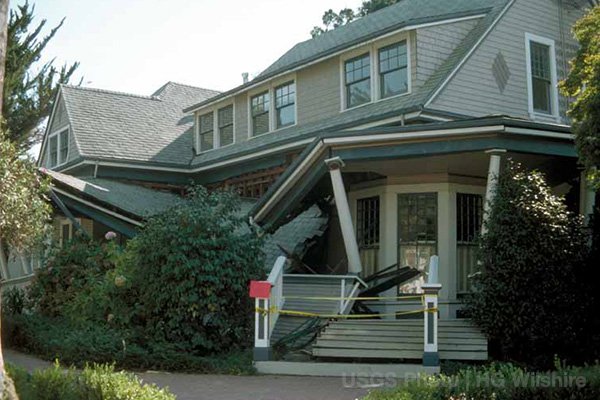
pixel 276 299
pixel 355 277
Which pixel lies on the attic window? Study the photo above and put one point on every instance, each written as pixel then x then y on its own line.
pixel 259 105
pixel 357 73
pixel 226 126
pixel 58 148
pixel 206 131
pixel 393 70
pixel 541 76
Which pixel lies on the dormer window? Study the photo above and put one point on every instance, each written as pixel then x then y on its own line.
pixel 393 70
pixel 226 126
pixel 357 73
pixel 259 106
pixel 285 100
pixel 206 132
pixel 58 148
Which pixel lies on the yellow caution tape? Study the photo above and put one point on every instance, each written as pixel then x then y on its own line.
pixel 354 298
pixel 294 313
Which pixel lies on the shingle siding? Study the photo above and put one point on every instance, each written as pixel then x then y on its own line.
pixel 318 91
pixel 474 91
pixel 434 44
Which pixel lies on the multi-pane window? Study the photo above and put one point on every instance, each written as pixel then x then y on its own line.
pixel 64 146
pixel 226 126
pixel 357 73
pixel 259 108
pixel 367 229
pixel 417 232
pixel 206 131
pixel 393 67
pixel 285 100
pixel 53 152
pixel 541 77
pixel 469 216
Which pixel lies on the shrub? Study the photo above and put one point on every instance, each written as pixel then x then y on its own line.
pixel 528 296
pixel 96 382
pixel 13 301
pixel 69 271
pixel 185 276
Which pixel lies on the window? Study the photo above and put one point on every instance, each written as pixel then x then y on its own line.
pixel 226 126
pixel 393 67
pixel 64 146
pixel 206 131
pixel 541 75
pixel 357 72
pixel 417 233
pixel 260 113
pixel 66 232
pixel 53 151
pixel 367 232
pixel 285 100
pixel 469 217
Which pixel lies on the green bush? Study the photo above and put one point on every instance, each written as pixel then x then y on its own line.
pixel 13 300
pixel 96 382
pixel 68 275
pixel 499 382
pixel 185 277
pixel 529 296
pixel 86 342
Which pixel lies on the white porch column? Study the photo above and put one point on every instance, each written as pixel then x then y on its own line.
pixel 492 182
pixel 587 197
pixel 341 202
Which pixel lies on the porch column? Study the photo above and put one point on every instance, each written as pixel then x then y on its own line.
pixel 492 182
pixel 341 202
pixel 431 290
pixel 587 197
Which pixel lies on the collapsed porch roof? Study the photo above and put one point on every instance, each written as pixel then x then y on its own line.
pixel 370 145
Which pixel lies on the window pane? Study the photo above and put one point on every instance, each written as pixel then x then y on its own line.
pixel 206 123
pixel 226 126
pixel 394 82
pixel 541 95
pixel 393 70
pixel 206 141
pixel 358 93
pixel 64 146
pixel 358 68
pixel 286 116
pixel 417 233
pixel 260 113
pixel 540 61
pixel 260 124
pixel 53 158
pixel 469 216
pixel 285 98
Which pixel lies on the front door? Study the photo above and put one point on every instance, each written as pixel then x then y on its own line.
pixel 417 234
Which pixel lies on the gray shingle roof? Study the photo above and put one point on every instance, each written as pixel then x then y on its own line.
pixel 389 19
pixel 123 126
pixel 137 200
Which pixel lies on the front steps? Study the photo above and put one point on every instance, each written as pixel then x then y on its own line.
pixel 402 339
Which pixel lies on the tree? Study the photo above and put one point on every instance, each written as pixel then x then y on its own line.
pixel 530 295
pixel 332 20
pixel 29 89
pixel 583 84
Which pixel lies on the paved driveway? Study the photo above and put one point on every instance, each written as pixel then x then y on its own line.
pixel 228 387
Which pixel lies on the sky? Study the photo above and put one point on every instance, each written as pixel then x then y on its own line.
pixel 138 45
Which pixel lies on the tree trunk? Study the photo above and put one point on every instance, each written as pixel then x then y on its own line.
pixel 7 387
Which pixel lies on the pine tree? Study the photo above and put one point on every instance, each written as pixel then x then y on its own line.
pixel 29 89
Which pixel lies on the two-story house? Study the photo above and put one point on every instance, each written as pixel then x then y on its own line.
pixel 369 148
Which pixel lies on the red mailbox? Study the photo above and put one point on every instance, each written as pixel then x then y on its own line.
pixel 260 289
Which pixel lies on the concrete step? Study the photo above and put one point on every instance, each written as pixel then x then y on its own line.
pixel 347 370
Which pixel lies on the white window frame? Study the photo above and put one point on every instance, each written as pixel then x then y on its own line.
pixel 373 51
pixel 270 88
pixel 68 222
pixel 57 133
pixel 216 138
pixel 529 37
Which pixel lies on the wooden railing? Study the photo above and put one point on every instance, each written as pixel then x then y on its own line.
pixel 431 290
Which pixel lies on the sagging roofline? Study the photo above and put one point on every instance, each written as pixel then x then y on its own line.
pixel 396 135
